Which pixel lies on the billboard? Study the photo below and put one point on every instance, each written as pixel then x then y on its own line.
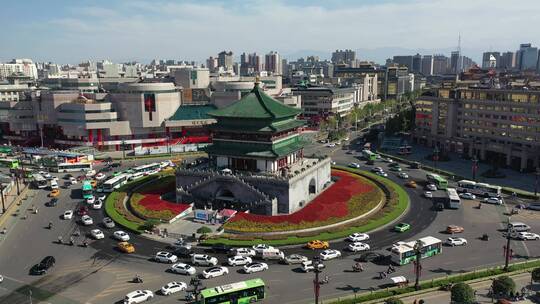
pixel 149 104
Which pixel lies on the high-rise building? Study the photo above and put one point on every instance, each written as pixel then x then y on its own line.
pixel 212 64
pixel 273 63
pixel 440 64
pixel 507 61
pixel 427 65
pixel 404 61
pixel 24 67
pixel 226 60
pixel 455 62
pixel 527 57
pixel 343 57
pixel 417 63
pixel 490 60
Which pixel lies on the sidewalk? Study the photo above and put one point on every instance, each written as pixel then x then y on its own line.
pixel 481 288
pixel 463 167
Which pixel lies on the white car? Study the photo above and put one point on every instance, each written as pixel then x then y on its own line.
pixel 428 194
pixel 100 176
pixel 97 205
pixel 108 222
pixel 239 260
pixel 467 195
pixel 213 272
pixel 173 287
pixel 388 160
pixel 431 187
pixel 1 278
pixel 246 252
pixel 381 173
pixel 91 200
pixel 72 180
pixel 90 173
pixel 377 169
pixel 354 165
pixel 97 234
pixel 329 254
pixel 165 257
pixel 331 145
pixel 68 214
pixel 255 267
pixel 403 175
pixel 87 220
pixel 121 236
pixel 527 236
pixel 358 246
pixel 47 175
pixel 493 200
pixel 308 266
pixel 182 268
pixel 455 241
pixel 358 237
pixel 260 247
pixel 138 296
pixel 102 197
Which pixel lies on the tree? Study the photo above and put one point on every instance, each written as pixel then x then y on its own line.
pixel 204 230
pixel 393 301
pixel 462 293
pixel 535 274
pixel 332 123
pixel 149 224
pixel 503 285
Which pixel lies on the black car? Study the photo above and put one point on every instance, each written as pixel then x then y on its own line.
pixel 43 266
pixel 183 251
pixel 220 247
pixel 53 202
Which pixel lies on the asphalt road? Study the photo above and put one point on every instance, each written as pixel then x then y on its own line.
pixel 100 274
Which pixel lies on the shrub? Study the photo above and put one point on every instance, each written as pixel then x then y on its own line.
pixel 149 224
pixel 535 274
pixel 503 285
pixel 393 301
pixel 462 293
pixel 204 230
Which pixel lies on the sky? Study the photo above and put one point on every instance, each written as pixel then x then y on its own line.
pixel 66 31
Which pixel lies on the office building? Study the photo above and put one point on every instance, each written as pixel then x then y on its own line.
pixel 18 67
pixel 427 65
pixel 440 65
pixel 507 61
pixel 346 57
pixel 406 61
pixel 417 64
pixel 321 102
pixel 192 78
pixel 527 57
pixel 498 126
pixel 273 64
pixel 490 60
pixel 226 60
pixel 212 64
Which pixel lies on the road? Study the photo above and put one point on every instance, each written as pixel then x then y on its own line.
pixel 100 274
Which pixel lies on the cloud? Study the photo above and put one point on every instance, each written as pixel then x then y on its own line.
pixel 145 29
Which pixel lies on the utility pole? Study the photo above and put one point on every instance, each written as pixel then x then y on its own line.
pixel 316 281
pixel 507 249
pixel 3 202
pixel 417 264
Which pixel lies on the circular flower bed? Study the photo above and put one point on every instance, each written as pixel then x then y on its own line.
pixel 148 201
pixel 349 197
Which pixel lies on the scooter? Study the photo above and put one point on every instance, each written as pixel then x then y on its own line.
pixel 356 268
pixel 137 279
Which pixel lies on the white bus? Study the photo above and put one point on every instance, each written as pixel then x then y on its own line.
pixel 73 167
pixel 115 182
pixel 39 181
pixel 135 176
pixel 147 169
pixel 482 189
pixel 454 202
pixel 403 252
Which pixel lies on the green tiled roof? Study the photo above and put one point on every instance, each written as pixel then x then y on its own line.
pixel 289 124
pixel 253 150
pixel 192 112
pixel 256 105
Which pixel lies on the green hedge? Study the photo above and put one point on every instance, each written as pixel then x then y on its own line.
pixel 117 217
pixel 440 282
pixel 388 217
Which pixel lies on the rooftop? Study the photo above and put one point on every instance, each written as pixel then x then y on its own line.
pixel 192 112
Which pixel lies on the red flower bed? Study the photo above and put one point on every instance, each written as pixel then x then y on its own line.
pixel 331 203
pixel 152 200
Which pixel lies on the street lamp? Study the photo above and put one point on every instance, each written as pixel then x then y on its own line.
pixel 507 250
pixel 435 155
pixel 417 265
pixel 474 167
pixel 316 281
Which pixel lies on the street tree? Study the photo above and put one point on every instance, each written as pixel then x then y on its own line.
pixel 393 301
pixel 462 293
pixel 503 285
pixel 535 275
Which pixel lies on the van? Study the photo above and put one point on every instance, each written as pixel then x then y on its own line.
pixel 272 254
pixel 203 260
pixel 307 266
pixel 54 184
pixel 518 226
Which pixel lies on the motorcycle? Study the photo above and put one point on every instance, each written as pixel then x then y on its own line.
pixel 357 268
pixel 50 225
pixel 325 280
pixel 137 279
pixel 485 237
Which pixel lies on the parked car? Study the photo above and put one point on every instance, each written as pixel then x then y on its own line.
pixel 239 260
pixel 97 234
pixel 165 257
pixel 467 196
pixel 294 259
pixel 181 268
pixel 358 237
pixel 138 296
pixel 87 220
pixel 316 244
pixel 329 254
pixel 108 222
pixel 43 266
pixel 402 227
pixel 456 241
pixel 121 236
pixel 173 287
pixel 454 229
pixel 126 247
pixel 213 272
pixel 255 267
pixel 68 214
pixel 358 246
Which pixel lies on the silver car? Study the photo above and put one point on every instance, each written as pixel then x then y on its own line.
pixel 294 259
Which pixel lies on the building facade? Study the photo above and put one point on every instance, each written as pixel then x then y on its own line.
pixel 325 101
pixel 493 125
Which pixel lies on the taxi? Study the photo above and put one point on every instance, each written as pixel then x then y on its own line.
pixel 126 247
pixel 316 244
pixel 54 193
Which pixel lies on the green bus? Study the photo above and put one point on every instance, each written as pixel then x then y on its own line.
pixel 370 155
pixel 436 179
pixel 404 252
pixel 10 163
pixel 244 292
pixel 87 189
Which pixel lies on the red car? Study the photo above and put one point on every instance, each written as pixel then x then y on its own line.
pixel 83 210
